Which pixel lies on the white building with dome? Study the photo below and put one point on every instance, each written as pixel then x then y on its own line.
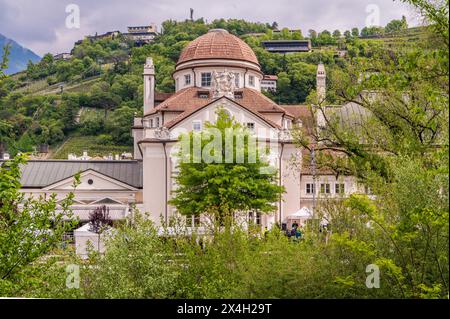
pixel 216 70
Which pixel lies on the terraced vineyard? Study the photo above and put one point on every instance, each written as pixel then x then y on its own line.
pixel 408 38
pixel 92 144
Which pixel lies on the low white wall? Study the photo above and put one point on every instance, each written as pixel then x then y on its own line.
pixel 83 236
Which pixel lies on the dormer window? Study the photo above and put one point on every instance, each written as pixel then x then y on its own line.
pixel 151 123
pixel 251 80
pixel 187 79
pixel 157 122
pixel 238 95
pixel 203 94
pixel 206 79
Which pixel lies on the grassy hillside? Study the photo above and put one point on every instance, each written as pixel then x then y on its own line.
pixel 94 145
pixel 408 38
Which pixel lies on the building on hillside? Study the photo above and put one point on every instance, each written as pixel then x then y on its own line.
pixel 142 34
pixel 287 46
pixel 269 83
pixel 62 56
pixel 108 35
pixel 215 71
pixel 258 34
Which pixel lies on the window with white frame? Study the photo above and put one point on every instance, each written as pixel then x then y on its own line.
pixel 197 125
pixel 310 188
pixel 254 218
pixel 325 188
pixel 237 79
pixel 187 79
pixel 251 126
pixel 206 79
pixel 192 220
pixel 177 83
pixel 157 122
pixel 339 188
pixel 251 80
pixel 151 122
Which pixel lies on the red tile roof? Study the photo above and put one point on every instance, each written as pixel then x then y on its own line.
pixel 302 113
pixel 161 96
pixel 218 44
pixel 270 77
pixel 187 101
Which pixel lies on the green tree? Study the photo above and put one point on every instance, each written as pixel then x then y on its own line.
pixel 118 125
pixel 399 150
pixel 102 97
pixel 218 187
pixel 355 32
pixel 396 25
pixel 29 227
pixel 347 35
pixel 336 34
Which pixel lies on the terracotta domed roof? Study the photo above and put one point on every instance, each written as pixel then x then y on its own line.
pixel 218 44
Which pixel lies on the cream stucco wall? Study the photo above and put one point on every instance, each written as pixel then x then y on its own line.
pixel 159 161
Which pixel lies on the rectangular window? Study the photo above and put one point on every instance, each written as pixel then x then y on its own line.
pixel 151 122
pixel 340 188
pixel 254 218
pixel 157 122
pixel 258 219
pixel 192 220
pixel 309 188
pixel 203 94
pixel 238 95
pixel 251 80
pixel 187 79
pixel 206 79
pixel 196 126
pixel 237 80
pixel 251 126
pixel 325 188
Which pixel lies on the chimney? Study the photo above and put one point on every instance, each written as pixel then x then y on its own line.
pixel 149 85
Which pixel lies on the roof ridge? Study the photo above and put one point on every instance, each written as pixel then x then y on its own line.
pixel 174 96
pixel 266 98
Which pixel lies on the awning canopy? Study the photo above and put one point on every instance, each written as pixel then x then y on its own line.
pixel 303 213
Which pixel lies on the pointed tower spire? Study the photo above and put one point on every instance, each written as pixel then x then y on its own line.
pixel 149 85
pixel 321 78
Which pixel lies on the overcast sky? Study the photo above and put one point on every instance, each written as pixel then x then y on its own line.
pixel 40 25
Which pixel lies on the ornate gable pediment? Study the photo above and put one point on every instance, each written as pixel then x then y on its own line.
pixel 90 180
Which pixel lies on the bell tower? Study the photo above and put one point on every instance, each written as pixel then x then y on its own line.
pixel 149 85
pixel 321 78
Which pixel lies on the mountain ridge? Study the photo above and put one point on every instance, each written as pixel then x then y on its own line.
pixel 19 55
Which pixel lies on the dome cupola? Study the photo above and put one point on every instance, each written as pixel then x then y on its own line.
pixel 218 44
